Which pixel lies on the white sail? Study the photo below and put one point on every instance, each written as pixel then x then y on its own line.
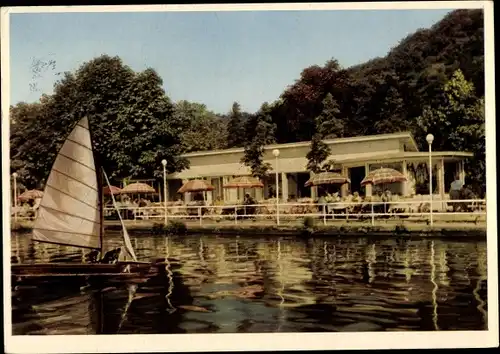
pixel 69 212
pixel 126 237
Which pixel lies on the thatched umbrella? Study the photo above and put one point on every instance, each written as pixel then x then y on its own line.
pixel 383 176
pixel 327 178
pixel 244 182
pixel 196 185
pixel 30 195
pixel 137 188
pixel 108 190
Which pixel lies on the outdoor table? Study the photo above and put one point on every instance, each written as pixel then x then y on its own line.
pixel 196 209
pixel 336 207
pixel 231 210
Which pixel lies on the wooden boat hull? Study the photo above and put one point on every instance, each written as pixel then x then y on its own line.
pixel 120 269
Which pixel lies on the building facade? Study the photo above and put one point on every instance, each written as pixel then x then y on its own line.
pixel 353 157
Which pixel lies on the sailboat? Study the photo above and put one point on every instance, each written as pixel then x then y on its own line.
pixel 71 214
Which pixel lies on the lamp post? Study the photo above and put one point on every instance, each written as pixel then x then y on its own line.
pixel 276 154
pixel 430 139
pixel 164 163
pixel 14 175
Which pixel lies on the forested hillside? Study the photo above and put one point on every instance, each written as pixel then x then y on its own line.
pixel 386 94
pixel 432 81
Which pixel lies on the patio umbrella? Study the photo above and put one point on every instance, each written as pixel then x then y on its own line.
pixel 244 182
pixel 30 195
pixel 327 178
pixel 136 188
pixel 196 185
pixel 383 176
pixel 108 190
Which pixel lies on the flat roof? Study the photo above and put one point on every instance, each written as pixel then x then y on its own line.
pixel 409 156
pixel 407 136
pixel 298 164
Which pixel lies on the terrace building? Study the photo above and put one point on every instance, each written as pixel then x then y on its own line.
pixel 354 157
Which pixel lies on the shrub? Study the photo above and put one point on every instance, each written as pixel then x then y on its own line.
pixel 158 228
pixel 176 227
pixel 400 229
pixel 309 222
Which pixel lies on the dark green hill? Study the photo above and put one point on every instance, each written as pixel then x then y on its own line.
pixel 387 94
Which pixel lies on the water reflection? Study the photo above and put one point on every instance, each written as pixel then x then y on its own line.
pixel 261 284
pixel 434 289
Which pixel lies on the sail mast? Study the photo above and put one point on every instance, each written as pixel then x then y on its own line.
pixel 100 186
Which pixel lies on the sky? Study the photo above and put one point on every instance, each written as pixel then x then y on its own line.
pixel 214 58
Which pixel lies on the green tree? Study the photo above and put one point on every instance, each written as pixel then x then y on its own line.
pixel 458 123
pixel 384 95
pixel 132 121
pixel 204 130
pixel 259 131
pixel 28 141
pixel 327 125
pixel 235 127
pixel 318 153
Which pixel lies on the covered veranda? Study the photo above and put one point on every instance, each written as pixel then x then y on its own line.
pixel 414 165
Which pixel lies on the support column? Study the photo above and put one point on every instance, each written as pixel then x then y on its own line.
pixel 368 187
pixel 462 171
pixel 209 196
pixel 297 188
pixel 284 187
pixel 314 189
pixel 440 177
pixel 404 185
pixel 440 181
pixel 187 196
pixel 225 191
pixel 259 193
pixel 343 188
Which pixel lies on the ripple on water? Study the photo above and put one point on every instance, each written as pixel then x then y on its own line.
pixel 266 284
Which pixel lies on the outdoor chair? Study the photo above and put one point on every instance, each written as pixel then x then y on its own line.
pixel 354 211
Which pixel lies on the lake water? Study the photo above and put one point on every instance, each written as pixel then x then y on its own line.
pixel 266 284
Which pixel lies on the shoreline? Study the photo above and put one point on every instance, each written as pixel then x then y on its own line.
pixel 389 229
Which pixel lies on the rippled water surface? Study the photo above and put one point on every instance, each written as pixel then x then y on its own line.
pixel 265 284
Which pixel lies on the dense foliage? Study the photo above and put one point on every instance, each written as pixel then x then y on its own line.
pixel 133 122
pixel 205 130
pixel 432 81
pixel 405 91
pixel 236 126
pixel 259 131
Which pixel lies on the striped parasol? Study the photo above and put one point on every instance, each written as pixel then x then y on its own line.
pixel 383 176
pixel 137 187
pixel 327 178
pixel 108 190
pixel 196 185
pixel 30 195
pixel 244 182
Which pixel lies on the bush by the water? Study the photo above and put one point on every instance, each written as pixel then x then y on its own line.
pixel 400 229
pixel 308 229
pixel 309 222
pixel 174 227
